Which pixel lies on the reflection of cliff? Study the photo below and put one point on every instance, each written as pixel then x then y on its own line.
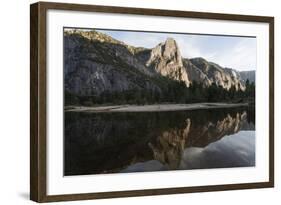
pixel 169 145
pixel 211 131
pixel 104 143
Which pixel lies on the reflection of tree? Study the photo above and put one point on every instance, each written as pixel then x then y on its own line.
pixel 170 144
pixel 211 131
pixel 110 142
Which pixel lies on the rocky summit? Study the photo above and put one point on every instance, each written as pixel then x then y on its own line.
pixel 165 59
pixel 95 63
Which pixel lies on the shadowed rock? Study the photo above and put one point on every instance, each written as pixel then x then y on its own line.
pixel 96 63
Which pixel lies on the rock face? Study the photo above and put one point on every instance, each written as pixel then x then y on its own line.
pixel 224 77
pixel 166 60
pixel 196 74
pixel 250 75
pixel 95 63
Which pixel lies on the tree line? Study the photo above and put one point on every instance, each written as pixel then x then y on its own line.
pixel 174 92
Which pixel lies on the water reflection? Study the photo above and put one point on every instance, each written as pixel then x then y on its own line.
pixel 133 142
pixel 235 150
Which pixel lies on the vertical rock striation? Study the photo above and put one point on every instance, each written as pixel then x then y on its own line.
pixel 95 63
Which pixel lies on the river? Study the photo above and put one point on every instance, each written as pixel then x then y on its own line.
pixel 100 143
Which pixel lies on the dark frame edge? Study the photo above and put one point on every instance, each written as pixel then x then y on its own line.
pixel 38 166
pixel 34 187
pixel 271 100
pixel 37 104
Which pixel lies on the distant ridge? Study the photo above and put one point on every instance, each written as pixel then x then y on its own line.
pixel 250 75
pixel 96 63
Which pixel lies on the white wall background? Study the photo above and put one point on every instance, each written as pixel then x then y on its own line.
pixel 14 101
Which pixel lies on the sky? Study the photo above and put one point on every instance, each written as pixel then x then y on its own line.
pixel 228 51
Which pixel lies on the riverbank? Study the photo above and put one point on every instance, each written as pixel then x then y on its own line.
pixel 153 108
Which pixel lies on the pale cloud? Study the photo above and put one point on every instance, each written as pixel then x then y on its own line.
pixel 242 56
pixel 228 51
pixel 188 47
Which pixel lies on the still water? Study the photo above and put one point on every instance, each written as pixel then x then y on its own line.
pixel 99 143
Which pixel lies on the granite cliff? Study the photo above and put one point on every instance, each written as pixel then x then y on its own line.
pixel 95 63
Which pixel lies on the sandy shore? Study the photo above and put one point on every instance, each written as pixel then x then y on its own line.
pixel 153 108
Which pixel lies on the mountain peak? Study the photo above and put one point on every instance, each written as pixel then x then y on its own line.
pixel 107 59
pixel 166 60
pixel 170 50
pixel 170 41
pixel 171 44
pixel 198 59
pixel 93 35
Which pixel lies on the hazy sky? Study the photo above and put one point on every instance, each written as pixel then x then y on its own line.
pixel 228 51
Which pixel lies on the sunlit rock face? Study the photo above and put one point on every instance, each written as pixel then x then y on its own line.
pixel 224 77
pixel 195 74
pixel 95 63
pixel 166 59
pixel 109 143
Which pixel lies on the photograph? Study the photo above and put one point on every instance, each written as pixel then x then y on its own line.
pixel 146 101
pixel 132 101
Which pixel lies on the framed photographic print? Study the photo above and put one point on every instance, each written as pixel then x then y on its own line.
pixel 134 102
